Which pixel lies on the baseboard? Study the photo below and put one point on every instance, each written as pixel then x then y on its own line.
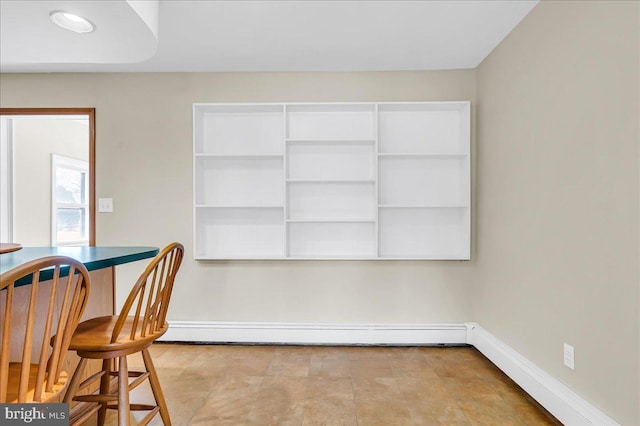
pixel 566 405
pixel 319 334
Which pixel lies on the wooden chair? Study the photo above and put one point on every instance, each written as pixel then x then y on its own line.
pixel 141 321
pixel 59 305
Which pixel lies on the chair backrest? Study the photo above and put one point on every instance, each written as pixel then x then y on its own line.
pixel 65 302
pixel 148 300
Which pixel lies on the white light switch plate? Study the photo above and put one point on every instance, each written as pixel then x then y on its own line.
pixel 105 205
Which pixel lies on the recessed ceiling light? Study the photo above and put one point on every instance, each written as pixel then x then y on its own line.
pixel 71 22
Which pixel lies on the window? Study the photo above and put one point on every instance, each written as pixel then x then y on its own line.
pixel 70 201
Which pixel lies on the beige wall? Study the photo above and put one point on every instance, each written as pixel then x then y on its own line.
pixel 144 161
pixel 557 201
pixel 556 235
pixel 34 140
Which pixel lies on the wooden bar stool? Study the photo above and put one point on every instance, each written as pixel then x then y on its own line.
pixel 52 307
pixel 141 321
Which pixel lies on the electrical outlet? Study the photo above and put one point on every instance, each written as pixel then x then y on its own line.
pixel 568 356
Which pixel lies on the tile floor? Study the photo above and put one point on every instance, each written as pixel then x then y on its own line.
pixel 300 385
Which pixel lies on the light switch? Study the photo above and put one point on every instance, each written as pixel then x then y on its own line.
pixel 105 205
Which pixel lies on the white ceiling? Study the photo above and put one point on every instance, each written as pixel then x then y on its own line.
pixel 304 35
pixel 126 32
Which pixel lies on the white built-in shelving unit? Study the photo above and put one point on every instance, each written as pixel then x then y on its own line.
pixel 332 181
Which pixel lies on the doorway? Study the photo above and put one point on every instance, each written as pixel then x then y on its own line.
pixel 47 176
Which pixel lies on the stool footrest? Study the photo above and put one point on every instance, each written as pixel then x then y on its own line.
pixel 129 373
pixel 134 384
pixel 149 416
pixel 86 382
pixel 135 407
pixel 96 398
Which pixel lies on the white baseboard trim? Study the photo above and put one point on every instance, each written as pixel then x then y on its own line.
pixel 319 334
pixel 566 405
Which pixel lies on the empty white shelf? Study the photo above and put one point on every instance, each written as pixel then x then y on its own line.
pixel 357 181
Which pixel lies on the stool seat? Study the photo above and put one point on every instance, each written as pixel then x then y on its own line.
pixel 94 337
pixel 14 381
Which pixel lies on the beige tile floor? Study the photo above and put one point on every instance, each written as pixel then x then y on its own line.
pixel 300 385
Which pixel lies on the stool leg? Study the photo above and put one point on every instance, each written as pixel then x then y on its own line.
pixel 123 392
pixel 105 389
pixel 155 387
pixel 73 384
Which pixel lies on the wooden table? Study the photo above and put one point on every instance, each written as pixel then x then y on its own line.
pixel 9 247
